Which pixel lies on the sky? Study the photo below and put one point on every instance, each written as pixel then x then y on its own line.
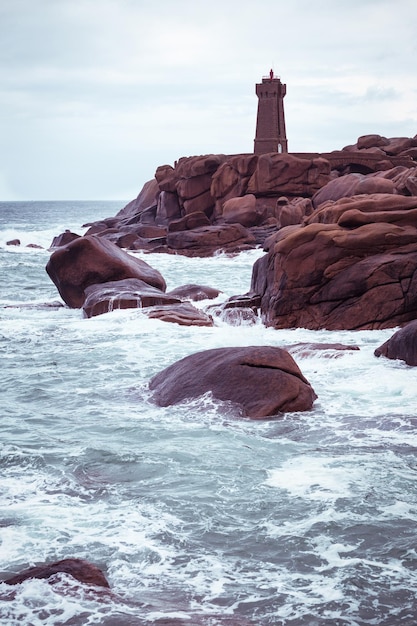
pixel 96 94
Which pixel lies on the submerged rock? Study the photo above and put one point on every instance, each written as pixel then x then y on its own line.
pixel 263 380
pixel 184 314
pixel 194 292
pixel 327 350
pixel 81 570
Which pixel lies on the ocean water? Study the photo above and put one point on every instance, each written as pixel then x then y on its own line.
pixel 195 514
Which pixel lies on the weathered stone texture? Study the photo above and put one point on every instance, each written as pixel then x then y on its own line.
pixel 263 380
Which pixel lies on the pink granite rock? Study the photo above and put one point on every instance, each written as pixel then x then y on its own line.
pixel 92 260
pixel 81 570
pixel 263 380
pixel 285 174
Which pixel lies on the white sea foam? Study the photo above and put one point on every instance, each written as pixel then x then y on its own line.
pixel 313 478
pixel 192 509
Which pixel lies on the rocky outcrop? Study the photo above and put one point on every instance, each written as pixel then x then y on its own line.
pixel 402 345
pixel 351 265
pixel 215 197
pixel 130 293
pixel 263 380
pixel 81 570
pixel 91 260
pixel 261 193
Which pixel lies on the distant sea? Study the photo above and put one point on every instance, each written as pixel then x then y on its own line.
pixel 194 513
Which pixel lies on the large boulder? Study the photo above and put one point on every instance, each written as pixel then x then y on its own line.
pixel 241 211
pixel 92 260
pixel 402 345
pixel 130 293
pixel 359 275
pixel 263 380
pixel 81 570
pixel 285 174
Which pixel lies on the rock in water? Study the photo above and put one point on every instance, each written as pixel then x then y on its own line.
pixel 79 569
pixel 90 261
pixel 184 314
pixel 194 292
pixel 402 345
pixel 130 293
pixel 351 265
pixel 264 380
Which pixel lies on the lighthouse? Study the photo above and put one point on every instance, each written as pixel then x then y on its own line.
pixel 270 122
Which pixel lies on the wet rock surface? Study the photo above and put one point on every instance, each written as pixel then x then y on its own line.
pixel 89 261
pixel 263 380
pixel 81 570
pixel 339 230
pixel 402 345
pixel 351 265
pixel 130 293
pixel 184 314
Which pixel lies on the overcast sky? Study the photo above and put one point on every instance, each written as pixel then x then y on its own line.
pixel 95 94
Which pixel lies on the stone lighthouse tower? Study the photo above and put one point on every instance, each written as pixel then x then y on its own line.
pixel 270 123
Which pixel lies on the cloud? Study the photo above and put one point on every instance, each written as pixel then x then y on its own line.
pixel 95 95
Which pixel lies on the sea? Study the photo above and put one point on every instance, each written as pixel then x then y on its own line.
pixel 195 514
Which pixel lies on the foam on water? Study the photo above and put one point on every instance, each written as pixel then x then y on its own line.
pixel 193 512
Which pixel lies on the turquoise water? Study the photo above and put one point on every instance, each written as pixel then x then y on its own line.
pixel 195 514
